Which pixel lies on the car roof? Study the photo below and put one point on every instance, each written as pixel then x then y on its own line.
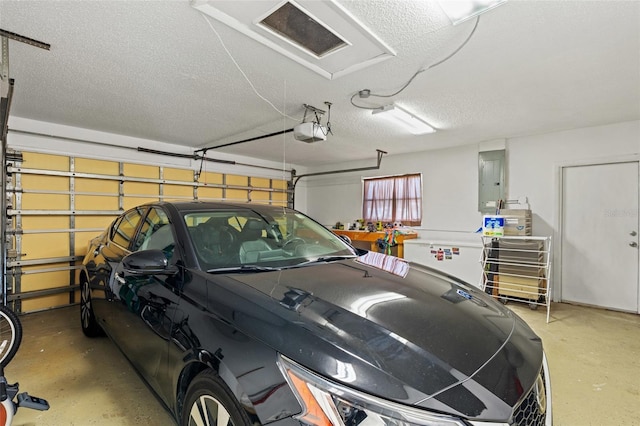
pixel 199 205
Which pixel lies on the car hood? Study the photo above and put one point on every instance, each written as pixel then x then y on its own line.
pixel 423 339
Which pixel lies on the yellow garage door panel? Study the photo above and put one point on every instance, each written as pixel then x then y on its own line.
pixel 141 188
pixel 48 183
pixel 31 223
pixel 279 184
pixel 205 193
pixel 97 186
pixel 259 196
pixel 209 177
pixel 181 175
pixel 47 302
pixel 100 222
pixel 260 182
pixel 237 180
pixel 100 167
pixel 32 160
pixel 138 170
pixel 178 191
pixel 36 246
pixel 279 197
pixel 82 240
pixel 44 280
pixel 96 202
pixel 45 202
pixel 237 194
pixel 131 202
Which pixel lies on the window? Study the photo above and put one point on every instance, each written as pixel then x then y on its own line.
pixel 124 231
pixel 155 233
pixel 393 199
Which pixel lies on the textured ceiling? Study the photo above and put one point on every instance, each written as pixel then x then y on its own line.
pixel 157 70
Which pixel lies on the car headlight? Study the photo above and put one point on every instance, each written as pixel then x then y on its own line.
pixel 326 403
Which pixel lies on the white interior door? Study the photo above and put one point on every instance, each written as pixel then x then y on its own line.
pixel 600 235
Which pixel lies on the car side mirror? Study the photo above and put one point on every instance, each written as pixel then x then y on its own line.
pixel 148 262
pixel 346 239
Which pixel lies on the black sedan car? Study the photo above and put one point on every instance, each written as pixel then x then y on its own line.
pixel 241 314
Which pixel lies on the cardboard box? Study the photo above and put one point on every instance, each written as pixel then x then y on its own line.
pixel 517 222
pixel 522 287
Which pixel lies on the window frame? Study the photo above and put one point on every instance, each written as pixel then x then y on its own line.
pixel 115 234
pixel 148 227
pixel 395 218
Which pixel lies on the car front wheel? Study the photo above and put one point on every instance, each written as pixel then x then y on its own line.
pixel 90 326
pixel 209 402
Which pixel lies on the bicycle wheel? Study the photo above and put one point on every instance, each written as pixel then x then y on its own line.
pixel 10 335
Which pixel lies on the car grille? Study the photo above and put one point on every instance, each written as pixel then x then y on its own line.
pixel 529 412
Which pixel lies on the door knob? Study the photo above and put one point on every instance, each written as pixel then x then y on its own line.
pixel 633 244
pixel 633 233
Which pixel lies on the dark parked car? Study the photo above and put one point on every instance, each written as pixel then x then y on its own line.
pixel 250 314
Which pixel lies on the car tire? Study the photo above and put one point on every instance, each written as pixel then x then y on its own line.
pixel 209 401
pixel 90 326
pixel 11 333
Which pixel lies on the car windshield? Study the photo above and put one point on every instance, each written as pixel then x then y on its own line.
pixel 268 238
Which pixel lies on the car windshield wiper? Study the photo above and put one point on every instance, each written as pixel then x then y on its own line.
pixel 326 259
pixel 241 268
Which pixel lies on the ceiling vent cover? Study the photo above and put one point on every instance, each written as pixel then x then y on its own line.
pixel 297 26
pixel 320 35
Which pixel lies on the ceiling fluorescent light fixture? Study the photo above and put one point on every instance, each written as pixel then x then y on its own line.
pixel 404 118
pixel 459 11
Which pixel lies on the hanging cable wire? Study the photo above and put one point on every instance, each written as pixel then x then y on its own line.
pixel 197 177
pixel 421 70
pixel 243 73
pixel 328 104
pixel 284 154
pixel 328 125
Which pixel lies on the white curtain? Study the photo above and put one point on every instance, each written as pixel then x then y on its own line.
pixel 393 199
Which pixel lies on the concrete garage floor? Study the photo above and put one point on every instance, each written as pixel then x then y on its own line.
pixel 594 356
pixel 86 381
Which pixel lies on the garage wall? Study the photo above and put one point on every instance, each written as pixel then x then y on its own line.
pixel 450 178
pixel 64 192
pixel 533 163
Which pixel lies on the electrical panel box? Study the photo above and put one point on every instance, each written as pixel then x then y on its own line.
pixel 491 180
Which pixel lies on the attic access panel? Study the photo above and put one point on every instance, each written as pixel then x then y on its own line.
pixel 361 48
pixel 293 24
